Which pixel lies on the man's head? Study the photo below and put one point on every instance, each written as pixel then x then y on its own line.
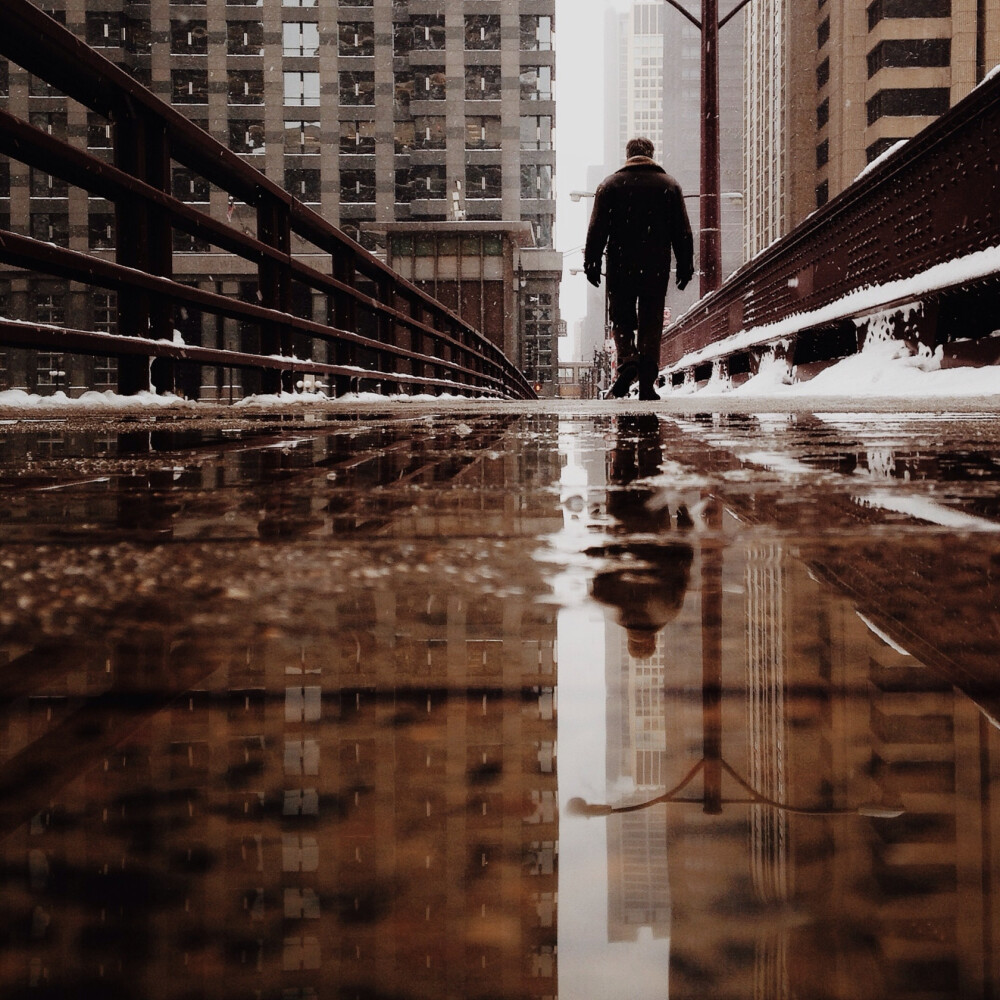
pixel 639 147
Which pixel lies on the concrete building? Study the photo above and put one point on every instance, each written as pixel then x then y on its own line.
pixel 369 111
pixel 829 92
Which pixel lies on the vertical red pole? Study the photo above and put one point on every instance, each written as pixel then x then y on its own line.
pixel 711 244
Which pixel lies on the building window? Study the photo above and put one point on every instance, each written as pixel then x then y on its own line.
pixel 427 31
pixel 355 88
pixel 823 114
pixel 429 132
pixel 536 83
pixel 907 103
pixel 245 86
pixel 50 227
pixel 189 186
pixel 543 227
pixel 300 38
pixel 822 194
pixel 104 29
pixel 189 37
pixel 482 31
pixel 246 136
pixel 357 137
pixel 823 33
pixel 302 138
pixel 302 89
pixel 245 38
pixel 296 3
pixel 483 181
pixel 431 83
pixel 357 185
pixel 536 132
pixel 823 153
pixel 98 131
pixel 482 132
pixel 823 74
pixel 356 38
pixel 536 33
pixel 137 36
pixel 482 83
pixel 536 180
pixel 105 306
pixel 49 308
pixel 902 52
pixel 429 181
pixel 886 9
pixel 303 183
pixel 101 227
pixel 189 86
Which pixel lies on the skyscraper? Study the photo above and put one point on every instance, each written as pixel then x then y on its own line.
pixel 368 111
pixel 829 92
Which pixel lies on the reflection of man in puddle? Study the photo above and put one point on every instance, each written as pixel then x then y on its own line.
pixel 654 562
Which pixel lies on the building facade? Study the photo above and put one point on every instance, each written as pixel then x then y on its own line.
pixel 368 111
pixel 828 93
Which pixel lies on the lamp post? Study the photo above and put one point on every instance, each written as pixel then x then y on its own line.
pixel 710 248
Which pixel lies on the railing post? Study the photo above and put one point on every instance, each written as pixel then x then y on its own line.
pixel 144 241
pixel 344 316
pixel 274 282
pixel 385 327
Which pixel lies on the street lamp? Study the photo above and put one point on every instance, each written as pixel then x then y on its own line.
pixel 711 241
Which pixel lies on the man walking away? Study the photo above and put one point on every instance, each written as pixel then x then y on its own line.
pixel 638 217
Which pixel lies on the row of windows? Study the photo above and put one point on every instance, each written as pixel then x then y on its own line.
pixel 897 103
pixel 357 136
pixel 904 52
pixel 892 9
pixel 302 89
pixel 189 36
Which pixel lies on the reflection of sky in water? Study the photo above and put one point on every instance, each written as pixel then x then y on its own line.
pixel 589 965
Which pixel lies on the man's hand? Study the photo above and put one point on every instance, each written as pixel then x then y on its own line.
pixel 593 272
pixel 683 277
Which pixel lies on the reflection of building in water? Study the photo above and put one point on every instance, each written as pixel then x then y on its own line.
pixel 638 886
pixel 359 800
pixel 821 711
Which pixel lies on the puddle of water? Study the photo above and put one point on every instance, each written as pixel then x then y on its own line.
pixel 499 706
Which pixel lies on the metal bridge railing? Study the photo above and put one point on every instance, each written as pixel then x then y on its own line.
pixel 932 202
pixel 381 329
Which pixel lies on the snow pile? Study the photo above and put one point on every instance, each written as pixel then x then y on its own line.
pixel 18 399
pixel 881 368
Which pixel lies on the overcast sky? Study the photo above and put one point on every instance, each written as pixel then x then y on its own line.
pixel 579 134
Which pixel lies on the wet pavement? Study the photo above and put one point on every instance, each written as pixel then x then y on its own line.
pixel 500 702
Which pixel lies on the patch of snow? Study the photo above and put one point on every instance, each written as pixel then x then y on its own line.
pixel 882 157
pixel 880 369
pixel 18 399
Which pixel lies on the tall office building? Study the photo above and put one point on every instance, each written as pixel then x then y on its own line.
pixel 368 111
pixel 829 92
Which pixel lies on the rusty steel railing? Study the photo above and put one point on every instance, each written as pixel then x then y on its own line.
pixel 932 201
pixel 382 329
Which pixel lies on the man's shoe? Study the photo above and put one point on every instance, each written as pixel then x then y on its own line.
pixel 628 372
pixel 647 370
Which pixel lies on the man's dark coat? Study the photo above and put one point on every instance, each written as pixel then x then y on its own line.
pixel 639 215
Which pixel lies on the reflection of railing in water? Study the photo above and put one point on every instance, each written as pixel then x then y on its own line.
pixel 383 332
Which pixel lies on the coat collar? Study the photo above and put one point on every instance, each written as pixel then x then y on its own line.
pixel 640 162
